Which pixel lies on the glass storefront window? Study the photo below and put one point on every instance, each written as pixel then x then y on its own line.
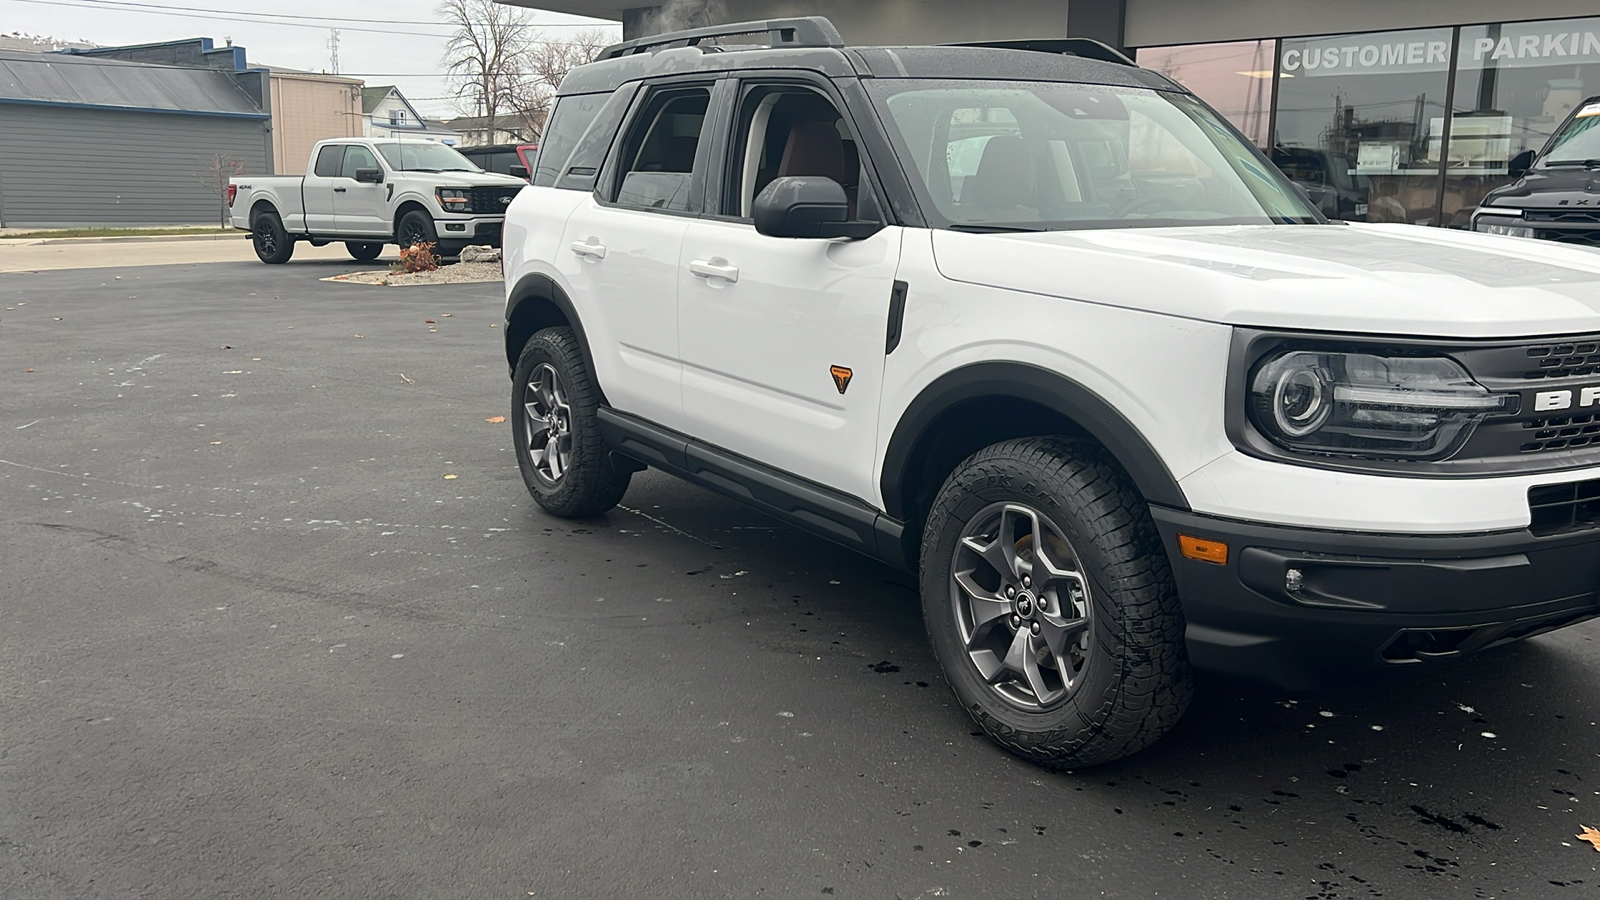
pixel 1515 83
pixel 1359 122
pixel 1234 78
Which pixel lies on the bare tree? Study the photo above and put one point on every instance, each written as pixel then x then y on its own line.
pixel 546 63
pixel 214 174
pixel 485 55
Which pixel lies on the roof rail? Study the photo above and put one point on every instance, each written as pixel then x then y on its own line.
pixel 811 31
pixel 1084 47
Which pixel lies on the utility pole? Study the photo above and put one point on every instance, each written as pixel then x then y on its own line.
pixel 333 49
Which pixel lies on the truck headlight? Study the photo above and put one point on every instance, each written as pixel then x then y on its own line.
pixel 453 199
pixel 1502 226
pixel 1364 405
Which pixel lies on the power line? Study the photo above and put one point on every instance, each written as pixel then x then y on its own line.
pixel 252 17
pixel 266 15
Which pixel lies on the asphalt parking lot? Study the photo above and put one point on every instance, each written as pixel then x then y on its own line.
pixel 277 619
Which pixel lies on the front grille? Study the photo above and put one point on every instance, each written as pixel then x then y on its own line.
pixel 488 200
pixel 1568 433
pixel 1528 369
pixel 1564 216
pixel 1563 360
pixel 1581 238
pixel 1564 507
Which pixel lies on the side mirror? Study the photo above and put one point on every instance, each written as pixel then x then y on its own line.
pixel 1520 164
pixel 369 176
pixel 520 172
pixel 808 207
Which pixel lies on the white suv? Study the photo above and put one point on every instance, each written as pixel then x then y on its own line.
pixel 1042 327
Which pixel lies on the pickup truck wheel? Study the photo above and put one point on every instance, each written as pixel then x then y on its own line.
pixel 564 461
pixel 272 244
pixel 1050 603
pixel 363 251
pixel 416 227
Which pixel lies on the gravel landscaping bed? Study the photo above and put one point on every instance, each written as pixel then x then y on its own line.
pixel 460 273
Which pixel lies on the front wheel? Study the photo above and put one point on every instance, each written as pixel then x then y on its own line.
pixel 416 227
pixel 1050 603
pixel 363 251
pixel 272 243
pixel 564 461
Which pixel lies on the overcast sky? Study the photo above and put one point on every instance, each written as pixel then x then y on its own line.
pixel 411 61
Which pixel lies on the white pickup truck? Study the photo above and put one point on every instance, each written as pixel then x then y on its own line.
pixel 369 193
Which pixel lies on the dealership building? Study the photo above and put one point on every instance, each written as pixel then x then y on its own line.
pixel 1385 111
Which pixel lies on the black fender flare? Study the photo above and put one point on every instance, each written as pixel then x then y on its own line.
pixel 534 303
pixel 1099 419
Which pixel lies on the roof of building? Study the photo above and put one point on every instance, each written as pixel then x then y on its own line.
pixel 372 96
pixel 57 79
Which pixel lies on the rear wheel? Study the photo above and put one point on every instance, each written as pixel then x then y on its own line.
pixel 272 244
pixel 1050 603
pixel 565 463
pixel 363 251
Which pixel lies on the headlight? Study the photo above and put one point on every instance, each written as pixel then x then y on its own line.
pixel 1489 226
pixel 1363 405
pixel 453 199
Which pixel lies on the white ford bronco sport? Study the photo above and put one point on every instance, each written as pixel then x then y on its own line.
pixel 1042 327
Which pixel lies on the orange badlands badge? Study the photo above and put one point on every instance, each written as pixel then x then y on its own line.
pixel 841 377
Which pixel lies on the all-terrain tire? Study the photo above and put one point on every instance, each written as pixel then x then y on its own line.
pixel 363 251
pixel 588 481
pixel 1134 682
pixel 272 243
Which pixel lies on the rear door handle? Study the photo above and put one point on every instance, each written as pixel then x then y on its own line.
pixel 705 268
pixel 591 249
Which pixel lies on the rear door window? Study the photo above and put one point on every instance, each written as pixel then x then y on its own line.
pixel 659 152
pixel 329 159
pixel 568 122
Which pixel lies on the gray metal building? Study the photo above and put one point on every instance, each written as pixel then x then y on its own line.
pixel 86 141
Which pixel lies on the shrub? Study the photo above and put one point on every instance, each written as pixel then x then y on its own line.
pixel 418 258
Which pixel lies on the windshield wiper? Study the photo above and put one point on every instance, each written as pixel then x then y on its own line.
pixel 1573 163
pixel 995 229
pixel 456 170
pixel 435 171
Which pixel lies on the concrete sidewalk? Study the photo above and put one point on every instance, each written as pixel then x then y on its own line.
pixel 97 253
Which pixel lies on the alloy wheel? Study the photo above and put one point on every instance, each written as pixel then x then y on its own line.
pixel 548 417
pixel 1022 605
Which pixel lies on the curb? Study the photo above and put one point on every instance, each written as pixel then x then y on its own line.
pixel 120 239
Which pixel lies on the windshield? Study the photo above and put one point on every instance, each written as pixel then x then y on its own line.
pixel 1579 142
pixel 424 156
pixel 1041 156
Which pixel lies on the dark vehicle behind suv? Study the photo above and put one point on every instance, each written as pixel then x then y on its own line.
pixel 505 159
pixel 1558 196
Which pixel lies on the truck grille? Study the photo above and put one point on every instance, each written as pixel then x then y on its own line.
pixel 1564 507
pixel 492 200
pixel 1564 216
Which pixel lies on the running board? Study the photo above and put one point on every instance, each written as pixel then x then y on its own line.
pixel 804 504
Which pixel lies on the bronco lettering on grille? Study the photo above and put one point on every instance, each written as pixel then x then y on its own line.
pixel 1549 401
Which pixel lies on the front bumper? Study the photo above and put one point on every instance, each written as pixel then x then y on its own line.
pixel 469 232
pixel 1370 599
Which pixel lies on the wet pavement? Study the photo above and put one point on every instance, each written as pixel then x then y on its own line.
pixel 255 642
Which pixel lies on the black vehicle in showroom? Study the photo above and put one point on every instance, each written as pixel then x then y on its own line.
pixel 1557 197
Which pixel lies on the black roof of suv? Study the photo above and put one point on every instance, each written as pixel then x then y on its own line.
pixel 813 43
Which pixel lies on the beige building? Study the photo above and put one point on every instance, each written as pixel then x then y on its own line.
pixel 308 107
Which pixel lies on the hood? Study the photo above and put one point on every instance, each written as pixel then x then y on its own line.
pixel 1374 279
pixel 1566 188
pixel 483 179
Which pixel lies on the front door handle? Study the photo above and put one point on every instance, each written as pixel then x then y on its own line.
pixel 705 268
pixel 338 190
pixel 592 249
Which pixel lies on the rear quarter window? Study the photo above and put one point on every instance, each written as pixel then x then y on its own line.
pixel 568 122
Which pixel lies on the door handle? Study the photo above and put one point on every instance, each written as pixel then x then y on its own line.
pixel 705 268
pixel 338 190
pixel 591 249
